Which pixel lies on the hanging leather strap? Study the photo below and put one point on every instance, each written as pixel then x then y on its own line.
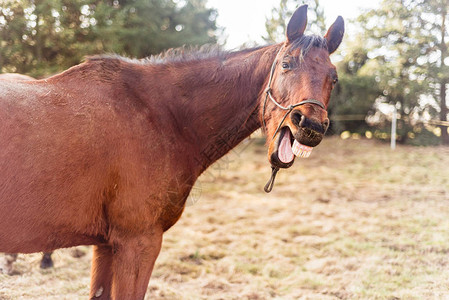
pixel 269 186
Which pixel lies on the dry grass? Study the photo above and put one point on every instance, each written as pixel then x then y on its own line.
pixel 354 221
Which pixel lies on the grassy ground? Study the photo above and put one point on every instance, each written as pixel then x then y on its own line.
pixel 354 221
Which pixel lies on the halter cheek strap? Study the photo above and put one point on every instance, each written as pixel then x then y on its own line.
pixel 268 95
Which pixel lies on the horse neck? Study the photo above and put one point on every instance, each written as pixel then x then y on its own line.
pixel 220 102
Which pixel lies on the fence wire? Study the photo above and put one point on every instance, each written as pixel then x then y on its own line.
pixel 363 118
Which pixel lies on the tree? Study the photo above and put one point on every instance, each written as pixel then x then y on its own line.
pixel 407 43
pixel 41 37
pixel 275 25
pixel 434 21
pixel 356 92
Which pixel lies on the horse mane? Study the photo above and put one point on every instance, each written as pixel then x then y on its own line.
pixel 107 64
pixel 182 54
pixel 187 54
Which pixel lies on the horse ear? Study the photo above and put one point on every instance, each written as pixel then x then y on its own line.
pixel 335 34
pixel 297 24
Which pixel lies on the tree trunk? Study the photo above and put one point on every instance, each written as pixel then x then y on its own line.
pixel 39 45
pixel 443 112
pixel 1 62
pixel 444 81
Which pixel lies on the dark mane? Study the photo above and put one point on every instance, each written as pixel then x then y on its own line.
pixel 178 55
pixel 187 53
pixel 195 53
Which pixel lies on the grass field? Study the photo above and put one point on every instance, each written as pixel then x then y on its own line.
pixel 354 221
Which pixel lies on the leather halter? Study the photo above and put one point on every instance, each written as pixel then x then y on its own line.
pixel 268 95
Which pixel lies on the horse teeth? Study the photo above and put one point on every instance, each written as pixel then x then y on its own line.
pixel 301 150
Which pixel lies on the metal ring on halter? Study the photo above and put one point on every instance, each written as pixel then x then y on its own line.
pixel 288 109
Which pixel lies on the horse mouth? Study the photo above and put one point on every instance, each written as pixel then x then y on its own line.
pixel 287 147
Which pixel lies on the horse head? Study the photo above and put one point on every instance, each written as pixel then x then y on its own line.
pixel 298 91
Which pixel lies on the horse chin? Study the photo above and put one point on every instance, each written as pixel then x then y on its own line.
pixel 276 162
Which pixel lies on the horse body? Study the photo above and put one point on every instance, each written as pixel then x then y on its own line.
pixel 6 266
pixel 89 162
pixel 111 149
pixel 45 157
pixel 101 150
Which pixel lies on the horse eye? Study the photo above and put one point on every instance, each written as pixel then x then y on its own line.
pixel 285 66
pixel 335 81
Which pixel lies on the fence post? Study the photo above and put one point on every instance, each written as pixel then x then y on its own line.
pixel 393 128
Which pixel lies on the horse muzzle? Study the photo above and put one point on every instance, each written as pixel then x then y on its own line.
pixel 289 145
pixel 308 131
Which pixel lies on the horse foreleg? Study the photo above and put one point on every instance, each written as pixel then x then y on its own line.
pixel 46 261
pixel 133 263
pixel 101 272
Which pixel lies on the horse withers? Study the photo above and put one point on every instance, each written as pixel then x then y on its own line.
pixel 106 153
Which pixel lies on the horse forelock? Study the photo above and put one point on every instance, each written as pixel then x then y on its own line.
pixel 306 42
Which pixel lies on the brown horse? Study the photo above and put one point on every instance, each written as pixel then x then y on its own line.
pixel 106 153
pixel 46 261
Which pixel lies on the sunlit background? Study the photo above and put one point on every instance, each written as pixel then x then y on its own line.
pixel 243 21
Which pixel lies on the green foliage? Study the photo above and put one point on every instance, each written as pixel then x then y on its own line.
pixel 276 25
pixel 424 138
pixel 356 92
pixel 351 102
pixel 41 37
pixel 405 41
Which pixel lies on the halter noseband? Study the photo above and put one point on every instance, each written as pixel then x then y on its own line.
pixel 274 169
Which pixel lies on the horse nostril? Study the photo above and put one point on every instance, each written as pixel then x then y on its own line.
pixel 326 124
pixel 311 125
pixel 296 117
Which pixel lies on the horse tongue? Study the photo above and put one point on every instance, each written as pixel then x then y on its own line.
pixel 285 152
